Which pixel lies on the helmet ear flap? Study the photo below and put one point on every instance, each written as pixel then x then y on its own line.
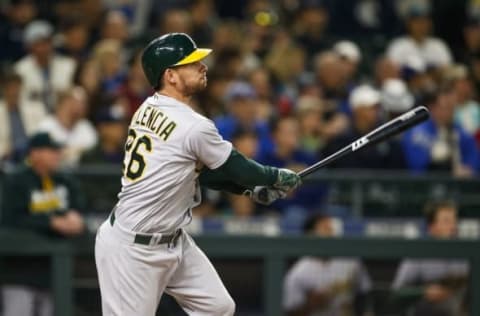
pixel 159 82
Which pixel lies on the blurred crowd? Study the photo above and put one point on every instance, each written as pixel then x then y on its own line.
pixel 290 81
pixel 343 286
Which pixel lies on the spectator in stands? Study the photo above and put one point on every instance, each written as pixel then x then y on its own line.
pixel 307 85
pixel 467 109
pixel 136 12
pixel 365 102
pixel 19 119
pixel 74 38
pixel 175 20
pixel 229 63
pixel 414 73
pixel 364 20
pixel 204 21
pixel 286 151
pixel 326 287
pixel 310 27
pixel 136 88
pixel 309 112
pixel 286 61
pixel 242 114
pixel 69 127
pixel 443 282
pixel 331 76
pixel 88 76
pixel 115 27
pixel 395 98
pixel 261 30
pixel 351 57
pixel 440 143
pixel 107 55
pixel 92 11
pixel 44 74
pixel 15 16
pixel 211 101
pixel 471 39
pixel 261 81
pixel 226 35
pixel 419 42
pixel 46 202
pixel 111 125
pixel 385 69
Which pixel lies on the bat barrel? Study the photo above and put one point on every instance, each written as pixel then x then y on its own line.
pixel 385 131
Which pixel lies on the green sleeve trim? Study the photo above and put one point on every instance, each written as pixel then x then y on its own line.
pixel 226 186
pixel 248 172
pixel 238 174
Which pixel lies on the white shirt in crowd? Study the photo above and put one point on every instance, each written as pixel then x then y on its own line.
pixel 77 140
pixel 433 51
pixel 31 114
pixel 35 87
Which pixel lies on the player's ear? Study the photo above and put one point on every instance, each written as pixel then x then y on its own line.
pixel 170 76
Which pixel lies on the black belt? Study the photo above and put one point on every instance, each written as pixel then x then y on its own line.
pixel 145 239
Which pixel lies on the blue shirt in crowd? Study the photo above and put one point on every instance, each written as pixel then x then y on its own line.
pixel 228 125
pixel 418 141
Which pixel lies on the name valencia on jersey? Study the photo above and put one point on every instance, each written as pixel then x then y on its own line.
pixel 154 120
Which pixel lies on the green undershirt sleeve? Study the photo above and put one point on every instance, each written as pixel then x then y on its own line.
pixel 226 186
pixel 238 174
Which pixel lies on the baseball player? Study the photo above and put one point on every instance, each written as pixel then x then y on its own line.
pixel 142 250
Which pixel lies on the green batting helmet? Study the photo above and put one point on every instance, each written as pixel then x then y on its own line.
pixel 172 49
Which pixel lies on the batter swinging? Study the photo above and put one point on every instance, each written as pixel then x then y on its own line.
pixel 141 250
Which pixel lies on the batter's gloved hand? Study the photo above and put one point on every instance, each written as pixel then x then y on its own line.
pixel 267 195
pixel 287 180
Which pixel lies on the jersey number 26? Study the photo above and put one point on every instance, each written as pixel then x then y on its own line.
pixel 134 163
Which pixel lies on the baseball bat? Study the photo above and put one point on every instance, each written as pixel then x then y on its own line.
pixel 385 131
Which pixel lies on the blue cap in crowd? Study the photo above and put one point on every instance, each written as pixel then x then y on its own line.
pixel 240 90
pixel 110 114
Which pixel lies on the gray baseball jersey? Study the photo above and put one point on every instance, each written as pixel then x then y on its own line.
pixel 452 273
pixel 340 277
pixel 166 140
pixel 421 271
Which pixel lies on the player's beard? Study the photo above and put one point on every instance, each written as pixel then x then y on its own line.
pixel 191 87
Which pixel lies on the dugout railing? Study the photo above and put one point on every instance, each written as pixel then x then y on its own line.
pixel 273 251
pixel 353 192
pixel 357 193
